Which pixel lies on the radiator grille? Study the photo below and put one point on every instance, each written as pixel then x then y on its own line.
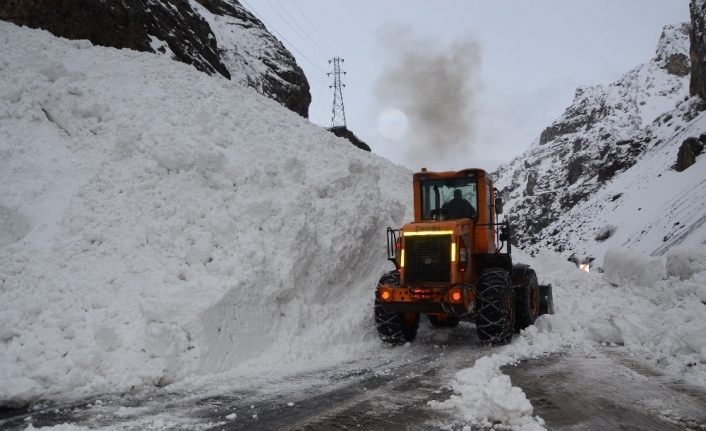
pixel 428 258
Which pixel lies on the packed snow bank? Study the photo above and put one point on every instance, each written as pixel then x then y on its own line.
pixel 657 320
pixel 661 320
pixel 157 223
pixel 685 262
pixel 623 266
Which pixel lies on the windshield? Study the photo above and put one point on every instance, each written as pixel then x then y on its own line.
pixel 457 198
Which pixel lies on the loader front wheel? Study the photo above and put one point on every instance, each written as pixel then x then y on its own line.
pixel 394 328
pixel 495 318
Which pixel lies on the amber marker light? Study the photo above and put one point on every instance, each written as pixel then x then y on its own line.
pixel 456 296
pixel 385 295
pixel 429 233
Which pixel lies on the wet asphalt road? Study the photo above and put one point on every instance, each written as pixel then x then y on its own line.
pixel 605 389
pixel 386 391
pixel 597 390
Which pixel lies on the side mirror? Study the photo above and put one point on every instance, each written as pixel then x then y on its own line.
pixel 498 205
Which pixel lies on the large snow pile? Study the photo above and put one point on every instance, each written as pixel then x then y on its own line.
pixel 158 223
pixel 653 316
pixel 628 267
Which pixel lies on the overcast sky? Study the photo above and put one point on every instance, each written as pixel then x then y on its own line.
pixel 515 64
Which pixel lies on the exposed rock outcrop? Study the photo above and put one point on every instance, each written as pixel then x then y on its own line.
pixel 215 36
pixel 697 52
pixel 670 54
pixel 343 132
pixel 689 150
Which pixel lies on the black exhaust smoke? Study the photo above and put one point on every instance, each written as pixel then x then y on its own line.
pixel 435 86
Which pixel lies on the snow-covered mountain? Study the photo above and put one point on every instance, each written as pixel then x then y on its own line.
pixel 602 174
pixel 158 223
pixel 215 36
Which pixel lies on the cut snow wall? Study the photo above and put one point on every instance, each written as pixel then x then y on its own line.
pixel 173 224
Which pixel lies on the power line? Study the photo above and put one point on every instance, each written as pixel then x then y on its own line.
pixel 306 36
pixel 294 3
pixel 258 16
pixel 283 38
pixel 291 27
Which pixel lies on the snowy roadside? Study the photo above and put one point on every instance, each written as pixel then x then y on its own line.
pixel 633 290
pixel 652 309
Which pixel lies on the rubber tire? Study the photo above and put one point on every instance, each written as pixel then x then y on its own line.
pixel 393 327
pixel 546 299
pixel 523 302
pixel 449 322
pixel 495 318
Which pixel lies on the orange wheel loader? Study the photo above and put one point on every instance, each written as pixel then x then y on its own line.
pixel 453 263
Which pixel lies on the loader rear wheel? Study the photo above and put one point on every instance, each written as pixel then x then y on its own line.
pixel 527 300
pixel 448 322
pixel 495 319
pixel 394 328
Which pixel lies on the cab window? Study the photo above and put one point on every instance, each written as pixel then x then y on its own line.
pixel 449 198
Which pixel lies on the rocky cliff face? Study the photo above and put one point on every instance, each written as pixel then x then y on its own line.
pixel 215 36
pixel 698 48
pixel 602 133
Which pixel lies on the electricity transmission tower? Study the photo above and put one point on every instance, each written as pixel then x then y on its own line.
pixel 338 113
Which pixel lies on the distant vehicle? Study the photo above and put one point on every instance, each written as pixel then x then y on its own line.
pixel 453 263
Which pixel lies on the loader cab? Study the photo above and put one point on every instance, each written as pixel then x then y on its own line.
pixel 434 192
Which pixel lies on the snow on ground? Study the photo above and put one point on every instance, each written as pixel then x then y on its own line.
pixel 653 310
pixel 158 224
pixel 62 427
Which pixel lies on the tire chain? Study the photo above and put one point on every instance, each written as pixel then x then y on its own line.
pixel 389 325
pixel 498 330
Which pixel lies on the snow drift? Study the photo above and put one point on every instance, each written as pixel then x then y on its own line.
pixel 157 223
